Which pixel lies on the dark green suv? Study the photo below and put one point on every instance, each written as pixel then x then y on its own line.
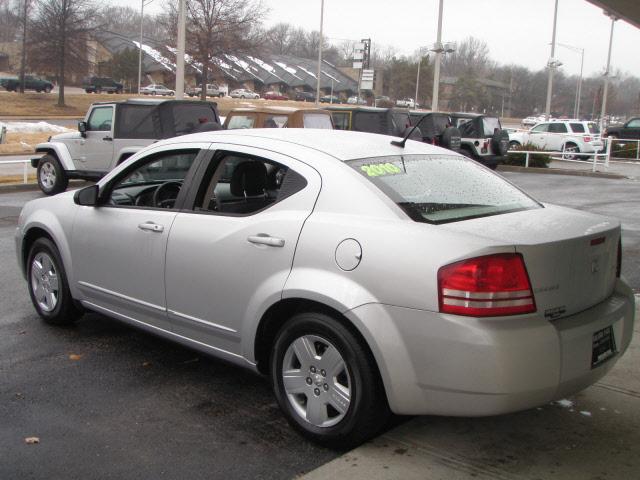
pixel 102 84
pixel 30 83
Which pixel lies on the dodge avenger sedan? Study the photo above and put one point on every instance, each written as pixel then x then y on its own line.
pixel 363 277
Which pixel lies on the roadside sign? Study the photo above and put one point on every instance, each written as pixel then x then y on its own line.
pixel 357 65
pixel 366 80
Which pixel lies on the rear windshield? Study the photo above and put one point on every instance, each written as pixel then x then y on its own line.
pixel 442 188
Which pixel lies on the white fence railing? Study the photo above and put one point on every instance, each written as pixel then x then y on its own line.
pixel 623 142
pixel 563 154
pixel 25 167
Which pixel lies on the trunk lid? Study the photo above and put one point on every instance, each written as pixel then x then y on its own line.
pixel 571 256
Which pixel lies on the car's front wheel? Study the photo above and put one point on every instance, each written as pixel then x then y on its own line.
pixel 51 176
pixel 326 381
pixel 48 285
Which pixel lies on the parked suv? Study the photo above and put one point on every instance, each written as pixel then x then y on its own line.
pixel 113 131
pixel 30 83
pixel 628 131
pixel 102 84
pixel 437 129
pixel 570 136
pixel 386 121
pixel 483 138
pixel 278 117
pixel 213 90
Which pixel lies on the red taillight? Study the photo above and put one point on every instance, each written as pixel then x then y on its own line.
pixel 587 139
pixel 493 285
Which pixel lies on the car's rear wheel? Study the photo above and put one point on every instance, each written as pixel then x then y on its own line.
pixel 48 285
pixel 47 90
pixel 513 145
pixel 326 381
pixel 51 176
pixel 570 151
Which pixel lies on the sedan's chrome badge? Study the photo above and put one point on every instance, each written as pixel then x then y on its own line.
pixel 553 313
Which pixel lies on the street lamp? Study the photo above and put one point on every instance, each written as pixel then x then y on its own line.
pixel 142 4
pixel 576 108
pixel 607 72
pixel 182 21
pixel 552 64
pixel 440 49
pixel 320 53
pixel 420 54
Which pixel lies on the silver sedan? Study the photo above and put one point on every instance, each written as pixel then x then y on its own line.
pixel 362 277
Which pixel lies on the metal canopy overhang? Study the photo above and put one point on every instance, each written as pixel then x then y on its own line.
pixel 628 10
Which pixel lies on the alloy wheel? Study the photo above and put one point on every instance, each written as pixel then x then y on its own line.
pixel 44 282
pixel 316 380
pixel 47 175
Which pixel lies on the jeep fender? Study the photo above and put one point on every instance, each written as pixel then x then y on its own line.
pixel 60 151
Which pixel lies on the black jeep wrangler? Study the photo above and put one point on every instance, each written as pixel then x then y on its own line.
pixel 437 129
pixel 386 121
pixel 483 138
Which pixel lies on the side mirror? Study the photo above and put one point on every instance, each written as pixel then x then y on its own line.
pixel 82 128
pixel 88 196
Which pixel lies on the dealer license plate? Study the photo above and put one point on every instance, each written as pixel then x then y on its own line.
pixel 604 346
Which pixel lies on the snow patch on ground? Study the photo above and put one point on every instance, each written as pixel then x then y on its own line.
pixel 564 403
pixel 585 413
pixel 33 127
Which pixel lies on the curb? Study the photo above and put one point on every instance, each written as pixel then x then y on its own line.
pixel 28 187
pixel 559 171
pixel 21 154
pixel 14 118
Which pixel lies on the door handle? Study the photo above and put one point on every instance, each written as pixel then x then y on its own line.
pixel 264 239
pixel 151 227
pixel 107 139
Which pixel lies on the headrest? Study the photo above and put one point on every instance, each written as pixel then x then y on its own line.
pixel 249 179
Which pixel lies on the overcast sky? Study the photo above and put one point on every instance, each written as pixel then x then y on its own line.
pixel 516 31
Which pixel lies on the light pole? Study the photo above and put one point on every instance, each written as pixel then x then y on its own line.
pixel 320 53
pixel 576 108
pixel 552 64
pixel 607 73
pixel 436 71
pixel 142 4
pixel 182 20
pixel 420 53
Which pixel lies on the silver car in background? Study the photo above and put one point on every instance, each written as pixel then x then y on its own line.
pixel 363 277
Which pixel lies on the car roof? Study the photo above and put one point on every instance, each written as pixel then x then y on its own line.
pixel 358 108
pixel 340 144
pixel 148 101
pixel 275 109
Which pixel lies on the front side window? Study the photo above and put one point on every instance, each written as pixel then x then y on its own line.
pixel 442 188
pixel 156 183
pixel 241 121
pixel 635 123
pixel 317 120
pixel 239 184
pixel 100 119
pixel 543 127
pixel 491 124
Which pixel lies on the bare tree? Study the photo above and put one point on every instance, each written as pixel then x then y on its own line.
pixel 9 20
pixel 24 20
pixel 219 27
pixel 60 31
pixel 279 38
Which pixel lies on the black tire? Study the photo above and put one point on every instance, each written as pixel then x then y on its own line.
pixel 500 143
pixel 367 411
pixel 63 310
pixel 573 148
pixel 513 145
pixel 47 90
pixel 38 91
pixel 52 178
pixel 451 138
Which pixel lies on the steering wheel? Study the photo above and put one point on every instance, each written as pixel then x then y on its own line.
pixel 166 194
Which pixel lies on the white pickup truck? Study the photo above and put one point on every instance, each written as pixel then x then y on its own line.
pixel 213 90
pixel 111 132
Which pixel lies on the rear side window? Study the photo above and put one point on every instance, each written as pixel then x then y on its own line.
pixel 577 127
pixel 557 128
pixel 341 120
pixel 136 121
pixel 317 120
pixel 241 121
pixel 275 121
pixel 442 188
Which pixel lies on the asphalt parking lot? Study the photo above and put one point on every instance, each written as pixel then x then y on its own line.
pixel 107 401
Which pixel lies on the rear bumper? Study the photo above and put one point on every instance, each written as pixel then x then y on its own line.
pixel 439 364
